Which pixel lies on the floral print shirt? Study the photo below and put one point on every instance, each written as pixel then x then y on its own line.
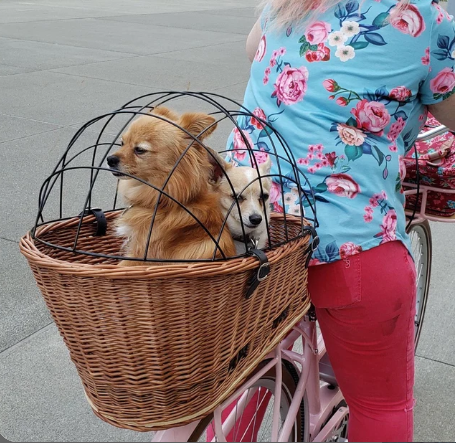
pixel 348 94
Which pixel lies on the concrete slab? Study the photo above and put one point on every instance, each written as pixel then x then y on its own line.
pixel 45 399
pixel 21 185
pixel 14 128
pixel 437 337
pixel 10 70
pixel 434 410
pixel 133 38
pixel 62 99
pixel 34 56
pixel 226 54
pixel 20 11
pixel 161 73
pixel 201 20
pixel 23 309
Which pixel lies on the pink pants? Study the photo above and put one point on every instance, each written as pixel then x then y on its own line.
pixel 366 308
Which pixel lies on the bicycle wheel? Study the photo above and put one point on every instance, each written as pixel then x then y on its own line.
pixel 255 423
pixel 420 237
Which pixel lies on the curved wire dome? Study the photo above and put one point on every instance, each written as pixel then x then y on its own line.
pixel 81 185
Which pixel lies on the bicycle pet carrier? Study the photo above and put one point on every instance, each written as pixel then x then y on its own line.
pixel 160 342
pixel 436 164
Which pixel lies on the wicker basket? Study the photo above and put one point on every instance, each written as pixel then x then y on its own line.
pixel 160 346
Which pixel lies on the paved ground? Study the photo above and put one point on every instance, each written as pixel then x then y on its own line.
pixel 63 62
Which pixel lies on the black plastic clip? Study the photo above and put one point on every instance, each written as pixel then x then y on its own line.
pixel 100 218
pixel 314 242
pixel 259 274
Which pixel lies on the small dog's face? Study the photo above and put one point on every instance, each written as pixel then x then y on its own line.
pixel 253 199
pixel 151 147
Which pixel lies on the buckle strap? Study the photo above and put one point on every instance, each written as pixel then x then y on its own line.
pixel 259 274
pixel 100 219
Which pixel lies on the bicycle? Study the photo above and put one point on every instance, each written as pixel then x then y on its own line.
pixel 419 231
pixel 296 389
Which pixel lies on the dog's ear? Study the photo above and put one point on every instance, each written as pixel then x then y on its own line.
pixel 265 168
pixel 163 111
pixel 197 122
pixel 219 165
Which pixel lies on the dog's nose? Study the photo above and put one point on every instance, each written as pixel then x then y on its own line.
pixel 255 219
pixel 113 161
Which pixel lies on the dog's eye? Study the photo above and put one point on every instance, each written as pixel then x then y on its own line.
pixel 239 198
pixel 264 197
pixel 139 150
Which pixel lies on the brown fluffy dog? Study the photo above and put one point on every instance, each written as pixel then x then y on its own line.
pixel 150 149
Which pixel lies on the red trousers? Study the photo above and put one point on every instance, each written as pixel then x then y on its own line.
pixel 366 308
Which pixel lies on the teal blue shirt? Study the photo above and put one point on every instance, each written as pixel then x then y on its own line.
pixel 348 94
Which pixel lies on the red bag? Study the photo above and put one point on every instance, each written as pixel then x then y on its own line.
pixel 436 166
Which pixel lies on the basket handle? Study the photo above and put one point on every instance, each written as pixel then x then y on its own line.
pixel 259 274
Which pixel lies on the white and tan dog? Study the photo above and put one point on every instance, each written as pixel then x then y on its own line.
pixel 252 198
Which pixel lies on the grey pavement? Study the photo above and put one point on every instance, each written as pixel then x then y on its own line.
pixel 63 62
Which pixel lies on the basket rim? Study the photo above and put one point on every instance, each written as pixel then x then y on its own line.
pixel 29 249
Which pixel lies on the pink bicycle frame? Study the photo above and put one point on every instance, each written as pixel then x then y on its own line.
pixel 320 400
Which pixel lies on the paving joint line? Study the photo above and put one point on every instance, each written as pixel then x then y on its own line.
pixel 9 240
pixel 11 348
pixel 435 361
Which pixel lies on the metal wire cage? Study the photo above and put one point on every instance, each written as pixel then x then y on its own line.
pixel 163 344
pixel 82 183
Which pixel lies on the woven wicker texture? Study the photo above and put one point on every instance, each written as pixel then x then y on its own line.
pixel 160 346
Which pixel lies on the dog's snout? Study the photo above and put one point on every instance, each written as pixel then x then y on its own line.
pixel 113 161
pixel 255 219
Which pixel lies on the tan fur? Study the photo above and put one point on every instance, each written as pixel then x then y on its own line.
pixel 246 185
pixel 175 234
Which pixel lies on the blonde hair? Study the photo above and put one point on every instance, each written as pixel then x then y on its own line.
pixel 284 13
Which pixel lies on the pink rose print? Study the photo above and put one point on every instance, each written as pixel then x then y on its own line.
pixel 331 85
pixel 368 217
pixel 291 85
pixel 342 101
pixel 322 54
pixel 275 193
pixel 371 116
pixel 401 93
pixel 261 157
pixel 388 226
pixel 259 55
pixel 258 112
pixel 342 185
pixel 348 249
pixel 317 32
pixel 402 168
pixel 277 207
pixel 240 148
pixel 311 169
pixel 303 161
pixel 393 147
pixel 350 135
pixel 408 21
pixel 396 129
pixel 440 15
pixel 331 158
pixel 427 58
pixel 443 81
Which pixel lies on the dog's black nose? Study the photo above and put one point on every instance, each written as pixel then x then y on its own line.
pixel 255 219
pixel 113 161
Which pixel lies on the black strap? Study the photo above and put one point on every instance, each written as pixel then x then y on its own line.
pixel 313 244
pixel 259 274
pixel 100 218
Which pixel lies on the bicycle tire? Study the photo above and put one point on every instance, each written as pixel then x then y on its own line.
pixel 290 378
pixel 421 240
